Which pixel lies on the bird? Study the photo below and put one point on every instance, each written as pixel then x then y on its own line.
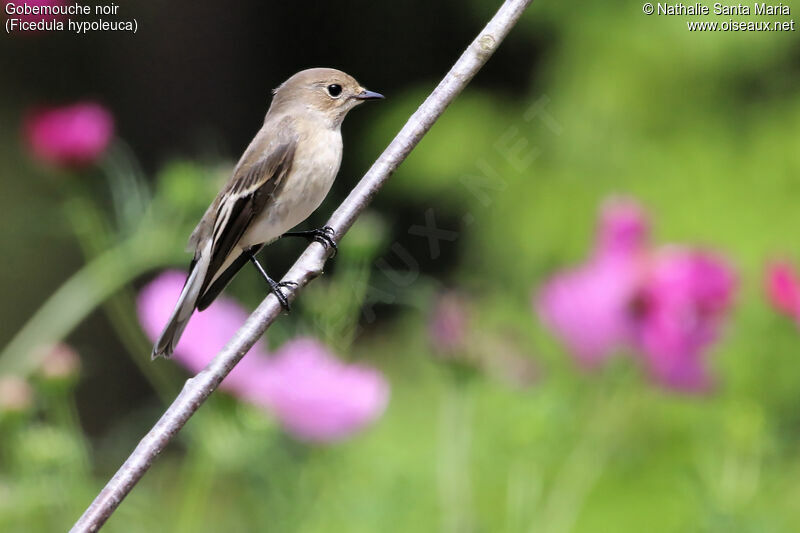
pixel 282 177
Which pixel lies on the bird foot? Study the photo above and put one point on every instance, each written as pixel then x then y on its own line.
pixel 274 286
pixel 323 235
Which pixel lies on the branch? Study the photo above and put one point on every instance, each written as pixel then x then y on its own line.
pixel 308 266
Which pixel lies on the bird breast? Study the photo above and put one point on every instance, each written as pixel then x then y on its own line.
pixel 316 163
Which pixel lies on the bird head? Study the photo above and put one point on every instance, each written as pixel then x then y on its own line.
pixel 324 92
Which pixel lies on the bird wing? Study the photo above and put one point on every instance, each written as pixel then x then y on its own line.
pixel 223 278
pixel 261 171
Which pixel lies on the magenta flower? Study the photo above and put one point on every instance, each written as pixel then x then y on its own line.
pixel 623 231
pixel 666 305
pixel 680 308
pixel 314 395
pixel 588 307
pixel 205 335
pixel 73 136
pixel 783 289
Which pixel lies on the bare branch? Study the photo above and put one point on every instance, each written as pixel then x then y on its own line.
pixel 308 266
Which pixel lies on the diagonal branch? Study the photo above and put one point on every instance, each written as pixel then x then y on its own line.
pixel 308 266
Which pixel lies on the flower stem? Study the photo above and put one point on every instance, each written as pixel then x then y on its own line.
pixel 584 465
pixel 94 237
pixel 71 303
pixel 455 435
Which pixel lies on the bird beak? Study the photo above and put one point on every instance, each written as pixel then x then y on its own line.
pixel 369 95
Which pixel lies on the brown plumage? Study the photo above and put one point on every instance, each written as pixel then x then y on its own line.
pixel 282 177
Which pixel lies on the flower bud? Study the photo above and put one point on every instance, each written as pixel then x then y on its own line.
pixel 60 362
pixel 449 323
pixel 16 395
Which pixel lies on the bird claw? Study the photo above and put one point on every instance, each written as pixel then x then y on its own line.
pixel 276 290
pixel 324 236
pixel 274 286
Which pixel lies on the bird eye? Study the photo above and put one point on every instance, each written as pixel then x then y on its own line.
pixel 334 89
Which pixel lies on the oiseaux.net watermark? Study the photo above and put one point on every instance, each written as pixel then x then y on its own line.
pixel 728 17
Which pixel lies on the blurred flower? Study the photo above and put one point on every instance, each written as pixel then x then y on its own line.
pixel 72 136
pixel 61 362
pixel 16 395
pixel 783 289
pixel 623 230
pixel 315 396
pixel 667 304
pixel 588 307
pixel 448 324
pixel 500 357
pixel 205 335
pixel 678 314
pixel 468 349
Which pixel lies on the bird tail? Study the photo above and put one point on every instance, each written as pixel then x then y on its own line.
pixel 187 302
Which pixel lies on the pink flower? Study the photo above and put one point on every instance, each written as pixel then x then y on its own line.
pixel 16 394
pixel 588 307
pixel 315 396
pixel 59 362
pixel 623 230
pixel 667 304
pixel 448 325
pixel 681 307
pixel 783 289
pixel 72 136
pixel 206 334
